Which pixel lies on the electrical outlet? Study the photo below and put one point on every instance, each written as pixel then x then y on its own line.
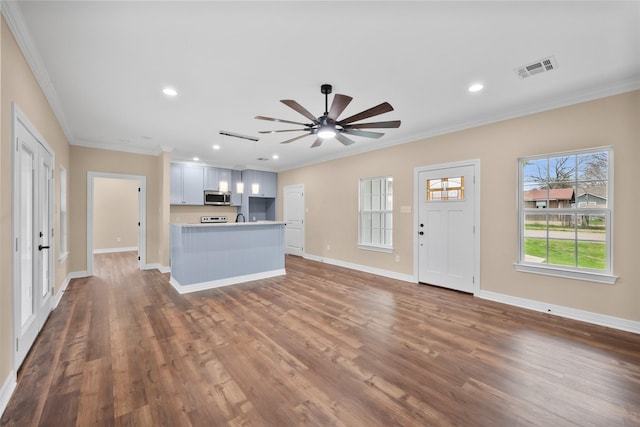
pixel 117 239
pixel 397 258
pixel 328 247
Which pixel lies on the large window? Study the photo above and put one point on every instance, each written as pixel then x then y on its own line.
pixel 565 214
pixel 376 214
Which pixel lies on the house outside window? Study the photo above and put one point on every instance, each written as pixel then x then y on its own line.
pixel 565 214
pixel 376 214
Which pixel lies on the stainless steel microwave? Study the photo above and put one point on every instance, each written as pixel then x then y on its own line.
pixel 218 198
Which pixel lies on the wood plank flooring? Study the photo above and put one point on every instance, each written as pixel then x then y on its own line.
pixel 321 346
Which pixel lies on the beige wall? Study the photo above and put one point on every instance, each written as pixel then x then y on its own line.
pixel 609 121
pixel 86 159
pixel 20 86
pixel 115 213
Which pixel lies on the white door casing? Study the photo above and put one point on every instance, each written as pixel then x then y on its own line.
pixel 447 235
pixel 294 219
pixel 33 202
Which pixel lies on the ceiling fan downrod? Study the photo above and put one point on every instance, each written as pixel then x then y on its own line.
pixel 326 90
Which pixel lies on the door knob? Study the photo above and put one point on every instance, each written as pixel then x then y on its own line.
pixel 40 247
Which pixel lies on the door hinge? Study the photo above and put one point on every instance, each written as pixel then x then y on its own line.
pixel 138 258
pixel 473 279
pixel 16 244
pixel 17 345
pixel 474 179
pixel 474 229
pixel 138 223
pixel 138 189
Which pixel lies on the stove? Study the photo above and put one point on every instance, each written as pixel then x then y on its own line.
pixel 213 219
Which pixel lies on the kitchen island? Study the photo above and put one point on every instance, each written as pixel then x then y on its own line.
pixel 205 256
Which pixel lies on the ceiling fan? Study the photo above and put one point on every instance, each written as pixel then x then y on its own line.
pixel 328 126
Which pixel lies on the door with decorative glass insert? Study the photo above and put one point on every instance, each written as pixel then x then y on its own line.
pixel 33 258
pixel 446 227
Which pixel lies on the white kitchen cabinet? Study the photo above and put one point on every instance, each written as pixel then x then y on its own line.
pixel 187 184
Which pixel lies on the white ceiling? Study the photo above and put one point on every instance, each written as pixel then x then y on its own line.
pixel 103 65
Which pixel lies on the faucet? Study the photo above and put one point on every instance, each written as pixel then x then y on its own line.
pixel 238 217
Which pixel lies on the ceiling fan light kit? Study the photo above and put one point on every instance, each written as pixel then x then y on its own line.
pixel 328 126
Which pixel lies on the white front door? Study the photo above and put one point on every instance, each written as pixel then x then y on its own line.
pixel 294 219
pixel 446 227
pixel 33 219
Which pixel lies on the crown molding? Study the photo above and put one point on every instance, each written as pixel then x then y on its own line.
pixel 12 15
pixel 153 151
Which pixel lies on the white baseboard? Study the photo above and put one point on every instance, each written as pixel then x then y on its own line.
pixel 7 390
pixel 185 289
pixel 113 250
pixel 163 269
pixel 558 310
pixel 365 268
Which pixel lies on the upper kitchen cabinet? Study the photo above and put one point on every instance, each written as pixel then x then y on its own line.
pixel 260 183
pixel 187 184
pixel 217 179
pixel 236 197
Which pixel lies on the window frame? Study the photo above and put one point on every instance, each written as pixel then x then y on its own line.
pixel 606 275
pixel 387 248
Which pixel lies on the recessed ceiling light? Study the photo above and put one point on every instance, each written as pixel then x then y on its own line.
pixel 275 157
pixel 196 159
pixel 169 91
pixel 476 87
pixel 216 147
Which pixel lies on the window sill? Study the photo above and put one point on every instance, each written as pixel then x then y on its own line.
pixel 385 249
pixel 605 278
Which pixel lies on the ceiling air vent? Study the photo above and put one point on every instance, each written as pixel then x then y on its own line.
pixel 262 159
pixel 539 67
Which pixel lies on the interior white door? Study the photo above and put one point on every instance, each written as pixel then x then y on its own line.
pixel 446 227
pixel 294 218
pixel 33 215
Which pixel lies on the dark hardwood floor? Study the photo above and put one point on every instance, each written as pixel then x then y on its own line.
pixel 323 346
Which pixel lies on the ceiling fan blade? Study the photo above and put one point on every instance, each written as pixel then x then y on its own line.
pixel 385 107
pixel 338 105
pixel 363 133
pixel 283 130
pixel 376 125
pixel 317 143
pixel 300 109
pixel 293 139
pixel 345 141
pixel 271 119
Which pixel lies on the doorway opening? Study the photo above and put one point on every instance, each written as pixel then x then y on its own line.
pixel 116 215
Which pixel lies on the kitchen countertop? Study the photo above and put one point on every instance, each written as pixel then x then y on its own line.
pixel 228 224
